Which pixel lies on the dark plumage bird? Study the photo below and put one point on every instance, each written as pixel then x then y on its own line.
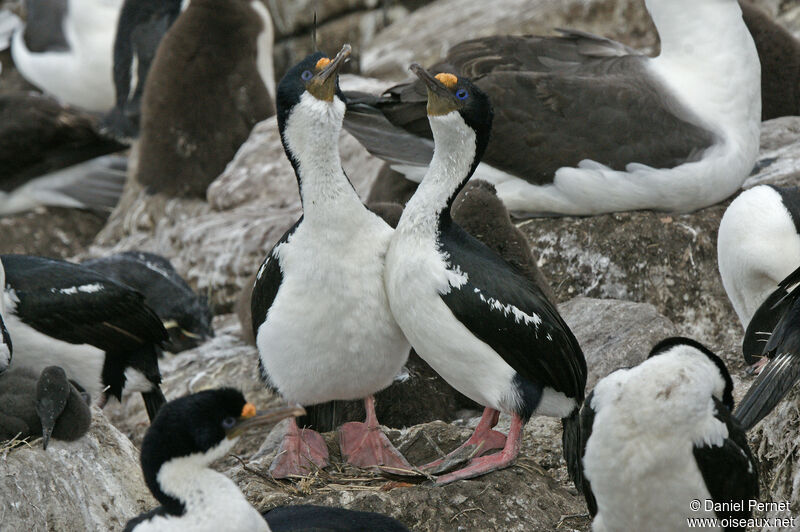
pixel 758 246
pixel 46 405
pixel 141 26
pixel 779 53
pixel 655 437
pixel 327 519
pixel 185 315
pixel 100 331
pixel 585 125
pixel 53 155
pixel 479 322
pixel 780 365
pixel 208 85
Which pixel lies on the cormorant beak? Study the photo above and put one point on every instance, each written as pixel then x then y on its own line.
pixel 323 85
pixel 441 100
pixel 46 410
pixel 251 419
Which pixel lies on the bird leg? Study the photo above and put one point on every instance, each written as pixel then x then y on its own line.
pixel 364 445
pixel 756 368
pixel 485 464
pixel 300 451
pixel 483 440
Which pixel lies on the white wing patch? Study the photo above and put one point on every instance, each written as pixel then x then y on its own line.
pixel 455 277
pixel 85 288
pixel 519 315
pixel 262 268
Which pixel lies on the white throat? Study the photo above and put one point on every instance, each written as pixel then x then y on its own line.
pixel 312 136
pixel 211 500
pixel 264 47
pixel 453 155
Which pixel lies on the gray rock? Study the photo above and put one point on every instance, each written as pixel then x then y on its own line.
pixel 94 483
pixel 614 334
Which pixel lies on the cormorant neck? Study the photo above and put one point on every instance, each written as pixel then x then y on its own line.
pixel 311 141
pixel 454 161
pixel 186 483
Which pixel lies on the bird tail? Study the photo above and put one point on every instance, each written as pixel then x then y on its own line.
pixel 772 384
pixel 153 401
pixel 573 444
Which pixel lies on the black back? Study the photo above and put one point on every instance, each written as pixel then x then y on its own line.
pixel 309 518
pixel 546 354
pixel 109 316
pixel 164 291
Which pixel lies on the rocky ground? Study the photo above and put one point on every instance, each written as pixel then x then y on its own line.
pixel 624 281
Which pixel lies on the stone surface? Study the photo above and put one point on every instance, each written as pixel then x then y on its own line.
pixel 50 231
pixel 614 334
pixel 94 483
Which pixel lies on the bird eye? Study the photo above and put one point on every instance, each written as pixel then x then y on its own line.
pixel 228 422
pixel 306 75
pixel 462 94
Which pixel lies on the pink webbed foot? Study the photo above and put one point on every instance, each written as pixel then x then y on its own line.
pixel 364 445
pixel 301 452
pixel 482 441
pixel 486 464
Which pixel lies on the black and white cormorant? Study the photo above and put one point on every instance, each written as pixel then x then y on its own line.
pixel 780 365
pixel 191 432
pixel 585 125
pixel 320 314
pixel 65 50
pixel 758 246
pixel 185 315
pixel 658 436
pixel 45 404
pixel 99 331
pixel 478 321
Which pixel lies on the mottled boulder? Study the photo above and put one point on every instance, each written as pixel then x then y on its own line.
pixel 614 334
pixel 94 483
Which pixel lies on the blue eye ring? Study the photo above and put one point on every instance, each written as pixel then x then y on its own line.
pixel 228 423
pixel 462 94
pixel 306 75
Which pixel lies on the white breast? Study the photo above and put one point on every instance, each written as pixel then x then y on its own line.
pixel 757 247
pixel 329 333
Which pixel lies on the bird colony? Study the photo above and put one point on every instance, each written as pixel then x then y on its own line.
pixel 386 267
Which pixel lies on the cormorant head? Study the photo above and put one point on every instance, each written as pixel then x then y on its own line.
pixel 451 97
pixel 313 82
pixel 200 428
pixel 724 392
pixel 52 394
